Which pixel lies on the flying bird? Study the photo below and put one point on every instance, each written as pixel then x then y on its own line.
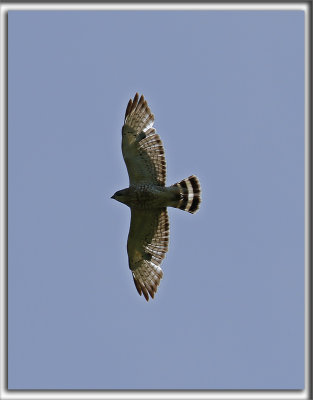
pixel 148 197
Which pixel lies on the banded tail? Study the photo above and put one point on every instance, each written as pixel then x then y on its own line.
pixel 190 194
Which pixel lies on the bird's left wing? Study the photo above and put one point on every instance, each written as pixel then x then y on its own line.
pixel 142 147
pixel 147 245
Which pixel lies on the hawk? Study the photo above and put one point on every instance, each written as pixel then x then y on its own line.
pixel 148 197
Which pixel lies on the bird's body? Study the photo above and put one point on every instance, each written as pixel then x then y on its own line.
pixel 148 197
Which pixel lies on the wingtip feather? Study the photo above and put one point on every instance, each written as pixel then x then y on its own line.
pixel 138 114
pixel 147 278
pixel 128 108
pixel 138 286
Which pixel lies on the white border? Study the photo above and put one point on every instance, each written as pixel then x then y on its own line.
pixel 181 395
pixel 157 6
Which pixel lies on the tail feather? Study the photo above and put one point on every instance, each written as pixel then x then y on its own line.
pixel 189 194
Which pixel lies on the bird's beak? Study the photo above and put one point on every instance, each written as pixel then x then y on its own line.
pixel 112 197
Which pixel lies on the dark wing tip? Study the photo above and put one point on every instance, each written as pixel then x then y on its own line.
pixel 150 290
pixel 138 286
pixel 128 108
pixel 135 101
pixel 145 293
pixel 142 289
pixel 132 104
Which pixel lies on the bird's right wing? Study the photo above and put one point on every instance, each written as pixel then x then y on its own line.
pixel 146 246
pixel 142 147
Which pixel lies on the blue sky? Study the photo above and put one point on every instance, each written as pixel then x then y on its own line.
pixel 227 91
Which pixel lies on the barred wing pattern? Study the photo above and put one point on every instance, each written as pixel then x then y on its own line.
pixel 147 245
pixel 142 147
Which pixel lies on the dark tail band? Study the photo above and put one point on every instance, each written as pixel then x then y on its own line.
pixel 190 194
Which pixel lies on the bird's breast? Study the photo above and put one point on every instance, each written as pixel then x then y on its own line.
pixel 146 196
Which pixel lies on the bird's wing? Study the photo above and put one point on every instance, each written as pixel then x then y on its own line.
pixel 147 245
pixel 142 147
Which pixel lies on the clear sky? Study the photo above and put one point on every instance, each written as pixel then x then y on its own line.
pixel 227 91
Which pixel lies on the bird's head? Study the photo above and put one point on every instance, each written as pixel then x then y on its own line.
pixel 121 196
